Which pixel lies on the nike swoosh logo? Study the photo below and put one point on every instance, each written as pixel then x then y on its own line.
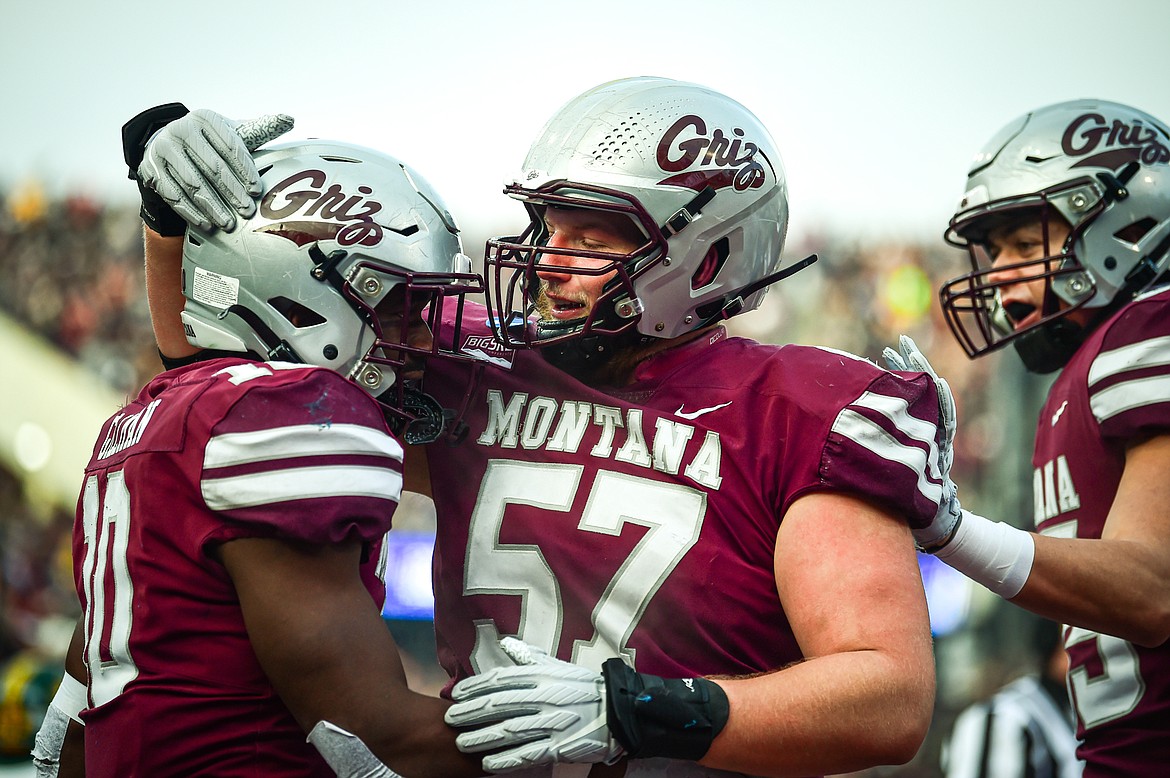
pixel 696 414
pixel 1056 416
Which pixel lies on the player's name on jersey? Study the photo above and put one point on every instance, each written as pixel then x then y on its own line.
pixel 125 430
pixel 560 426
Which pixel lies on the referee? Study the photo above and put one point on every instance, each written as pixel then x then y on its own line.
pixel 1025 730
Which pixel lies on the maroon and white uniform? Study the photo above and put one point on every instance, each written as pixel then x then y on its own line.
pixel 642 522
pixel 206 454
pixel 1114 391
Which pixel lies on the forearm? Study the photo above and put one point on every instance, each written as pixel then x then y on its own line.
pixel 164 292
pixel 1117 587
pixel 836 713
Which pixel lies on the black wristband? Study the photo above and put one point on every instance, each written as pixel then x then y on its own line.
pixel 136 133
pixel 650 716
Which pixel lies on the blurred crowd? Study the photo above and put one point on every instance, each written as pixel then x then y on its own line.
pixel 73 275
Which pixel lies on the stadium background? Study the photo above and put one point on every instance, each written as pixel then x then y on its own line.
pixel 876 107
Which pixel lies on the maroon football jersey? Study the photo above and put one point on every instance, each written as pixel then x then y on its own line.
pixel 1115 390
pixel 642 522
pixel 210 453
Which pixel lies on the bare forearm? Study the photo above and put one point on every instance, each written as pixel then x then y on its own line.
pixel 836 713
pixel 1117 587
pixel 164 292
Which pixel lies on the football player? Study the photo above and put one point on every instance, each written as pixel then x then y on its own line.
pixel 702 540
pixel 1066 219
pixel 228 535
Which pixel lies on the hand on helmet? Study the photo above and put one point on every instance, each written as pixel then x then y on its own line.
pixel 201 165
pixel 540 711
pixel 940 532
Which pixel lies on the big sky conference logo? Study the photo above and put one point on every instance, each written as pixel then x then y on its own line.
pixel 340 216
pixel 701 157
pixel 1112 143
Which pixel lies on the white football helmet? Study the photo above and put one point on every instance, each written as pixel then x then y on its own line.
pixel 698 174
pixel 1102 167
pixel 340 229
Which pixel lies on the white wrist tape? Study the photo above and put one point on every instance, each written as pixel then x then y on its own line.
pixel 71 698
pixel 991 553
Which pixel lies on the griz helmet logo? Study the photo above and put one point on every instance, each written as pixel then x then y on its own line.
pixel 1111 144
pixel 721 160
pixel 303 195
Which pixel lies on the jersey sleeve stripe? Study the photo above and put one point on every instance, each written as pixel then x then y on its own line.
pixel 871 436
pixel 246 491
pixel 897 410
pixel 1128 395
pixel 238 448
pixel 1152 352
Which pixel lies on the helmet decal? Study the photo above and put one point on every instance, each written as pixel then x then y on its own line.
pixel 722 162
pixel 353 213
pixel 1111 144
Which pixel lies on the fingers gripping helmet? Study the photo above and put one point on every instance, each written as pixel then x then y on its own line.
pixel 340 230
pixel 697 173
pixel 1101 167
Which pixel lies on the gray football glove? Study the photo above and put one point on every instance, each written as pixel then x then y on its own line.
pixel 540 711
pixel 950 513
pixel 201 165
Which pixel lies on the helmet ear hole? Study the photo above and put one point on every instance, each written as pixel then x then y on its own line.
pixel 711 265
pixel 1134 233
pixel 298 315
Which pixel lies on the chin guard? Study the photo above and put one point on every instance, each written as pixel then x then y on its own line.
pixel 424 420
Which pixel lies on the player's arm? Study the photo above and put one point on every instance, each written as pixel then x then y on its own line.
pixel 164 293
pixel 191 167
pixel 849 579
pixel 329 655
pixel 1119 584
pixel 59 749
pixel 850 582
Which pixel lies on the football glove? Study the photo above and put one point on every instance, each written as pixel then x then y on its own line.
pixel 201 166
pixel 540 711
pixel 946 522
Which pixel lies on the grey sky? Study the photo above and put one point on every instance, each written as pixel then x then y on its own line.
pixel 876 106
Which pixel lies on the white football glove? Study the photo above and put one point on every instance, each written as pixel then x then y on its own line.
pixel 950 513
pixel 541 711
pixel 201 165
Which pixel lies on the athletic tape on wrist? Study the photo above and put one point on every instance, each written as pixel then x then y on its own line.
pixel 71 697
pixel 651 716
pixel 996 555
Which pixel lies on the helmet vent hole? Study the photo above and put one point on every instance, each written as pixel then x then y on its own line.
pixel 711 265
pixel 298 315
pixel 1134 233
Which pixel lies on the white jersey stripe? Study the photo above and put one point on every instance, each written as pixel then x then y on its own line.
pixel 301 483
pixel 1153 352
pixel 1128 395
pixel 897 410
pixel 239 448
pixel 869 435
